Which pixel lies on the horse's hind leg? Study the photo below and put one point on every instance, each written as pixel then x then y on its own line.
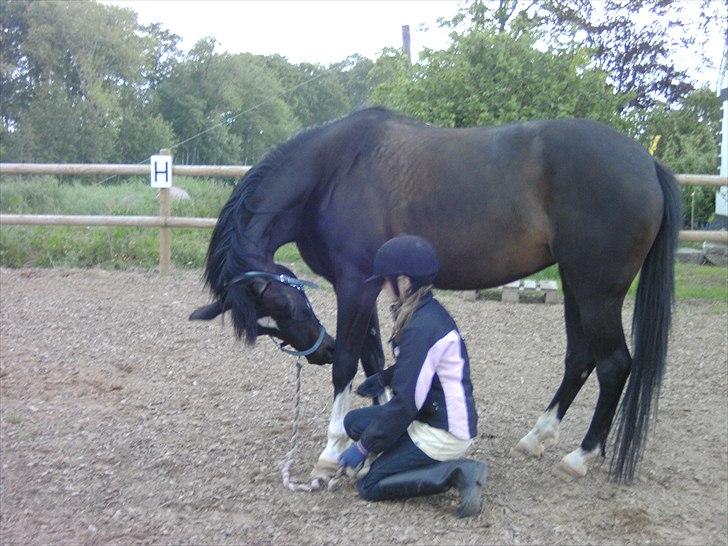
pixel 578 364
pixel 602 321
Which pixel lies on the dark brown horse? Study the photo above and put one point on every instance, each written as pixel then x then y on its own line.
pixel 498 204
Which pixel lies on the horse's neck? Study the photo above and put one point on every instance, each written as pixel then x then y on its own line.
pixel 277 206
pixel 266 233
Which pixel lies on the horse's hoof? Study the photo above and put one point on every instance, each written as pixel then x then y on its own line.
pixel 550 439
pixel 324 469
pixel 572 465
pixel 529 446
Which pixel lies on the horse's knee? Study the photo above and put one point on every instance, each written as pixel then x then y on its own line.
pixel 342 374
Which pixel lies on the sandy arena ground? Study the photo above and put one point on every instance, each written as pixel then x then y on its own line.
pixel 123 423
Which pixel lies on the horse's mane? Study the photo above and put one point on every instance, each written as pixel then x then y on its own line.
pixel 225 255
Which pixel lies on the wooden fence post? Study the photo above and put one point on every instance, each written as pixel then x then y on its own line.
pixel 165 234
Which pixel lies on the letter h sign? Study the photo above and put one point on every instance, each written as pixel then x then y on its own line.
pixel 161 171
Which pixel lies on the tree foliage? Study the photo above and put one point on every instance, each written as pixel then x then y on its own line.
pixel 633 41
pixel 316 94
pixel 86 82
pixel 73 78
pixel 688 144
pixel 232 102
pixel 488 78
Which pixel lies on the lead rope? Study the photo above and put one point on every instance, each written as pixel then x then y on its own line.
pixel 288 482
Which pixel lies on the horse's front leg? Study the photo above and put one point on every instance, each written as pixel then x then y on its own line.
pixel 372 355
pixel 351 324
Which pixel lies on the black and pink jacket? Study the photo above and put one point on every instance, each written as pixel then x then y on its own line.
pixel 430 380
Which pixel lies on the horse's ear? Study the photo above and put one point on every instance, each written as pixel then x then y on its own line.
pixel 208 312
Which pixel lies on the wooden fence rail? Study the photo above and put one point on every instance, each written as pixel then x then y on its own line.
pixel 81 169
pixel 107 221
pixel 164 221
pixel 221 171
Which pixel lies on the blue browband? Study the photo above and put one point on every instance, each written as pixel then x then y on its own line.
pixel 298 284
pixel 285 279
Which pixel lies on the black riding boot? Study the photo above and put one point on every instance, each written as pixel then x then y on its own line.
pixel 467 475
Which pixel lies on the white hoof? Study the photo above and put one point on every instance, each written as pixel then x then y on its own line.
pixel 529 446
pixel 572 469
pixel 337 440
pixel 574 464
pixel 324 469
pixel 549 438
pixel 544 434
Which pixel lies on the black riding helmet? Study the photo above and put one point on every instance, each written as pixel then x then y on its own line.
pixel 409 255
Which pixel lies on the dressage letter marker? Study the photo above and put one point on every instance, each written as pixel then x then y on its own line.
pixel 160 171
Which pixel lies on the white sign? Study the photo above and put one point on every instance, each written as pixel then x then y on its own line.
pixel 721 201
pixel 160 171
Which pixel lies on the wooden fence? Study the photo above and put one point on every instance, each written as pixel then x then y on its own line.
pixel 165 221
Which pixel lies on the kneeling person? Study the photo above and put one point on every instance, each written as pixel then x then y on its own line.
pixel 421 434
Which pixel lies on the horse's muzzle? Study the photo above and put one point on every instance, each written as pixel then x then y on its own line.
pixel 325 353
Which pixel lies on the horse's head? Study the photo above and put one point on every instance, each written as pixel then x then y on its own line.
pixel 273 304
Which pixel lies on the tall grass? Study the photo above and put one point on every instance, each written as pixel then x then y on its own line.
pixel 110 247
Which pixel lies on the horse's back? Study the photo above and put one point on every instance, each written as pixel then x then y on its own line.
pixel 497 202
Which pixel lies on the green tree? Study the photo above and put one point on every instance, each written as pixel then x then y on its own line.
pixel 57 129
pixel 353 73
pixel 487 78
pixel 161 52
pixel 313 92
pixel 225 108
pixel 689 144
pixel 389 78
pixel 77 74
pixel 13 63
pixel 634 41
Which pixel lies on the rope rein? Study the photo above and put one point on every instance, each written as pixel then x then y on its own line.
pixel 289 483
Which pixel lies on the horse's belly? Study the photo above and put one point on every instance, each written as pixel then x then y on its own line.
pixel 489 247
pixel 491 267
pixel 489 263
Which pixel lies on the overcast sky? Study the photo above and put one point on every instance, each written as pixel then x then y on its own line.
pixel 328 31
pixel 311 31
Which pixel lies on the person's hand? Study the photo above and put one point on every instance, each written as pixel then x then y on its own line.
pixel 354 456
pixel 371 387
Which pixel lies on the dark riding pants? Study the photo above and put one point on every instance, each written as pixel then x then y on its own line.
pixel 402 456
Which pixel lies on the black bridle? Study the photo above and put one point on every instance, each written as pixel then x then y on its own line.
pixel 299 285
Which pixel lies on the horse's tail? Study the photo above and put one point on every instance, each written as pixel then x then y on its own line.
pixel 650 330
pixel 225 259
